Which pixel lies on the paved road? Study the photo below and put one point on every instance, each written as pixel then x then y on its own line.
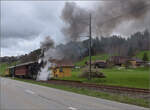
pixel 16 95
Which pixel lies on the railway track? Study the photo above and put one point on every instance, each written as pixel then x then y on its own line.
pixel 99 87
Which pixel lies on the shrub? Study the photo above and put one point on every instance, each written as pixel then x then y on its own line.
pixel 95 73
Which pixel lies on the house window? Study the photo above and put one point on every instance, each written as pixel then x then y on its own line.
pixel 60 69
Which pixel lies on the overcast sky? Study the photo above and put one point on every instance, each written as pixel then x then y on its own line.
pixel 25 24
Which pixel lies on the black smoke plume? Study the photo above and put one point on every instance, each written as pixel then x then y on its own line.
pixel 105 17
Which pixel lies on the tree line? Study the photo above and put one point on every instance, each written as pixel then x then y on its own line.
pixel 118 45
pixel 112 45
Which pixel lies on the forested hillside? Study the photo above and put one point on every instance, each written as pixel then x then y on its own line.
pixel 76 51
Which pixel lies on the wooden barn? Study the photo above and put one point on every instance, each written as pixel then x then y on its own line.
pixel 61 68
pixel 118 60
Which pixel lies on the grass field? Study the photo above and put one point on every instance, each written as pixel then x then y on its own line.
pixel 138 78
pixel 97 57
pixel 4 66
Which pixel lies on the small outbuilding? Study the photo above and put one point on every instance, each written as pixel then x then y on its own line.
pixel 61 68
pixel 136 62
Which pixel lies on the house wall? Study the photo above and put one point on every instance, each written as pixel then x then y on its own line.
pixel 7 72
pixel 66 72
pixel 133 63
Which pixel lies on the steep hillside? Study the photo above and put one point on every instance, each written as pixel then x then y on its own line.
pixel 97 57
pixel 141 53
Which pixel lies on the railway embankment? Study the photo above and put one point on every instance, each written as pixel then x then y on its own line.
pixel 133 96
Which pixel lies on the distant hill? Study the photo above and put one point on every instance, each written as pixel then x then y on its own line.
pixel 32 56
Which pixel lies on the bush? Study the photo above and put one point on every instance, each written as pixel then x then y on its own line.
pixel 95 73
pixel 110 64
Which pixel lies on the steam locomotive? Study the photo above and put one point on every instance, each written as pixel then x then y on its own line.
pixel 25 70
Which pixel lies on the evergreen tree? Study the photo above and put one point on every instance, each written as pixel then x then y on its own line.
pixel 145 57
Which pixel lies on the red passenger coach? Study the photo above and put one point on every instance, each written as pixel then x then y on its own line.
pixel 22 70
pixel 27 70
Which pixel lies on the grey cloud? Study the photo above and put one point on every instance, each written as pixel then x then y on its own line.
pixel 20 46
pixel 23 22
pixel 17 22
pixel 106 17
pixel 129 27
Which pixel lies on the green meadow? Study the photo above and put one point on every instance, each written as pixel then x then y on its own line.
pixel 131 77
pixel 4 66
pixel 138 77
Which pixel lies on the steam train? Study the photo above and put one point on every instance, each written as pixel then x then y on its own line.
pixel 25 70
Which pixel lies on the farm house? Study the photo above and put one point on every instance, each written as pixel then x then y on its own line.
pixel 61 68
pixel 118 60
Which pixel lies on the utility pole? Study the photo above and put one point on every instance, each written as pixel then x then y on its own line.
pixel 89 78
